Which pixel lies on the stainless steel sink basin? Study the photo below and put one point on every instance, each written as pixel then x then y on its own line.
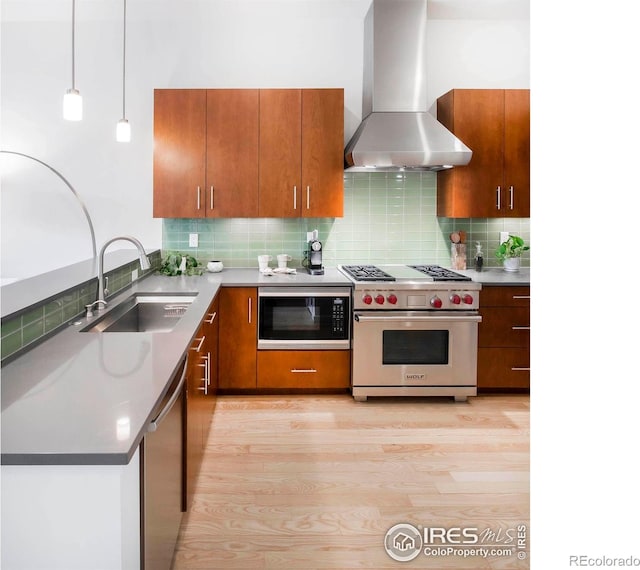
pixel 144 313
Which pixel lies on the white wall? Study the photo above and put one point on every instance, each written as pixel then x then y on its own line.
pixel 195 43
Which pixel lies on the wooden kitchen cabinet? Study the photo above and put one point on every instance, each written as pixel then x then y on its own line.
pixel 205 157
pixel 504 338
pixel 202 374
pixel 304 369
pixel 495 125
pixel 301 153
pixel 238 338
pixel 224 153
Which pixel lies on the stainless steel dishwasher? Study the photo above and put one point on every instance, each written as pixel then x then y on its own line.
pixel 161 477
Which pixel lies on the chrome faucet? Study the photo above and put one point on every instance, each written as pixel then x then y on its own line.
pixel 144 264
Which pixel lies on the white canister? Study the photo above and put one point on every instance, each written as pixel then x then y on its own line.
pixel 214 266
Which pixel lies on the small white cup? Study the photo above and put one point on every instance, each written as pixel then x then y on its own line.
pixel 263 261
pixel 283 259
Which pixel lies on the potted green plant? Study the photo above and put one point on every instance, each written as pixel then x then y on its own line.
pixel 176 263
pixel 509 252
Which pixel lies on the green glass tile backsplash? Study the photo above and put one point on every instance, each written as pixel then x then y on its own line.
pixel 388 218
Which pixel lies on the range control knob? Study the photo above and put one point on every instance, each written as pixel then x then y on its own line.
pixel 436 302
pixel 455 299
pixel 392 299
pixel 467 299
pixel 367 299
pixel 380 299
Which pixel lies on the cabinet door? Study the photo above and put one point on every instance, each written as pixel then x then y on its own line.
pixel 476 117
pixel 232 153
pixel 179 153
pixel 517 152
pixel 280 155
pixel 238 338
pixel 322 153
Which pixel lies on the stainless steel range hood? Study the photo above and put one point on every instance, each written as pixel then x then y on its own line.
pixel 397 131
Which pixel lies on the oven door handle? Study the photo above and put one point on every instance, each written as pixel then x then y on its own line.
pixel 417 318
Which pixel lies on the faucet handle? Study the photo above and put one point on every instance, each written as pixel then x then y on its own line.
pixel 106 286
pixel 89 307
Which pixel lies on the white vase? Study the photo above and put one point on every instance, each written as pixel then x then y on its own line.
pixel 511 264
pixel 214 266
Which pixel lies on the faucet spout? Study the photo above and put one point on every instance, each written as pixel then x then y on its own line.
pixel 144 265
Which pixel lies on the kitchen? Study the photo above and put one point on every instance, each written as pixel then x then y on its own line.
pixel 106 171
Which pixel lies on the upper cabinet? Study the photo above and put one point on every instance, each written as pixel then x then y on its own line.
pixel 205 154
pixel 248 153
pixel 495 124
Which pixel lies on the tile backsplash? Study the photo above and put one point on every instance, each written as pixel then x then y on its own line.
pixel 388 218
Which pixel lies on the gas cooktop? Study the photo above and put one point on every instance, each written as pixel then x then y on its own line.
pixel 402 273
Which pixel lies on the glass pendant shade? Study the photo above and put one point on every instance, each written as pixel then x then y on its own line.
pixel 123 131
pixel 72 105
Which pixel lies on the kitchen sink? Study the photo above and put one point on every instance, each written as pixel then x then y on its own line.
pixel 144 313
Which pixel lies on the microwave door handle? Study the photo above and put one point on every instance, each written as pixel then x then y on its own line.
pixel 417 318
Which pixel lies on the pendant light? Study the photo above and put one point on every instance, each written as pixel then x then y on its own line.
pixel 123 128
pixel 72 102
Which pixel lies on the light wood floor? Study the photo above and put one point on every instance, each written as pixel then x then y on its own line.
pixel 315 482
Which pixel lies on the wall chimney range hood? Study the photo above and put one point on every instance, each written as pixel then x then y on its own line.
pixel 397 131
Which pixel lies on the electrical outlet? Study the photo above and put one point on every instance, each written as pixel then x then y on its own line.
pixel 504 236
pixel 134 275
pixel 193 240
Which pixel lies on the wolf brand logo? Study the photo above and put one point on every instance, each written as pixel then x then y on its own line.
pixel 403 542
pixel 414 376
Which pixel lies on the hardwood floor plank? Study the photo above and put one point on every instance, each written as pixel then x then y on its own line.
pixel 315 482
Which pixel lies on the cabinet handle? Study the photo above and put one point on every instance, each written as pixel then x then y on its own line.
pixel 249 310
pixel 498 191
pixel 200 341
pixel 521 297
pixel 511 197
pixel 308 198
pixel 520 368
pixel 303 370
pixel 521 328
pixel 211 197
pixel 213 318
pixel 198 198
pixel 295 198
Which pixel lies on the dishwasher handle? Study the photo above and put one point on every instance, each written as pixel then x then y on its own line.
pixel 155 424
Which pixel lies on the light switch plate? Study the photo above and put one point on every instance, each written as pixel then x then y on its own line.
pixel 504 236
pixel 193 240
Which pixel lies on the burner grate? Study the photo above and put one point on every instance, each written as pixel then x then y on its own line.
pixel 440 273
pixel 367 273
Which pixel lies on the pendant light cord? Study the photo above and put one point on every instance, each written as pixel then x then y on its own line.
pixel 73 44
pixel 124 55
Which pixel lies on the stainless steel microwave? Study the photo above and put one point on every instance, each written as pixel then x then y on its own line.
pixel 304 318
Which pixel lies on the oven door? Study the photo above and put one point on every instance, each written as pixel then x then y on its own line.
pixel 304 318
pixel 415 348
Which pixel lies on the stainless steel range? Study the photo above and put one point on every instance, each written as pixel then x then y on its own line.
pixel 415 331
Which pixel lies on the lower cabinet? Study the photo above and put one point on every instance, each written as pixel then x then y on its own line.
pixel 238 338
pixel 304 369
pixel 504 338
pixel 201 391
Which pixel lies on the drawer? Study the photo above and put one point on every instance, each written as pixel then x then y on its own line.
pixel 504 326
pixel 304 369
pixel 505 296
pixel 503 368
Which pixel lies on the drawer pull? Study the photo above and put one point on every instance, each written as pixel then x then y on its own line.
pixel 213 318
pixel 521 297
pixel 303 370
pixel 520 328
pixel 520 369
pixel 200 341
